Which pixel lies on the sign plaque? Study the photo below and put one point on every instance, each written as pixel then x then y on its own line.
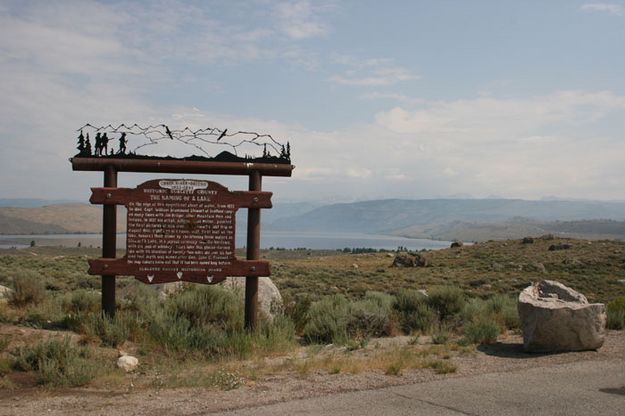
pixel 180 230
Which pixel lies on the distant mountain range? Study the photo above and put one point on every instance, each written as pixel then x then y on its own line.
pixel 55 219
pixel 31 202
pixel 446 219
pixel 468 219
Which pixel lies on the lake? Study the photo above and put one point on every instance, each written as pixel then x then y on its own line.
pixel 283 239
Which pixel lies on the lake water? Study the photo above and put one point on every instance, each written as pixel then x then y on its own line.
pixel 283 239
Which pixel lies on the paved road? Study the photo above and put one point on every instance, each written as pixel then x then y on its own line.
pixel 582 388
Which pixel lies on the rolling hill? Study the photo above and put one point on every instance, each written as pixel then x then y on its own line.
pixel 442 219
pixel 61 218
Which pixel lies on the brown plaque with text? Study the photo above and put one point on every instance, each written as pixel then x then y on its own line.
pixel 180 230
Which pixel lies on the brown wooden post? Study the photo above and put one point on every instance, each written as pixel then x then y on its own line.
pixel 253 253
pixel 109 243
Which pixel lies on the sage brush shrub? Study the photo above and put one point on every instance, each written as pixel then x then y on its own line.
pixel 481 331
pixel 334 319
pixel 57 362
pixel 326 320
pixel 278 335
pixel 447 301
pixel 370 316
pixel 499 309
pixel 505 311
pixel 111 331
pixel 204 305
pixel 412 311
pixel 47 314
pixel 297 309
pixel 28 289
pixel 616 313
pixel 83 301
pixel 208 320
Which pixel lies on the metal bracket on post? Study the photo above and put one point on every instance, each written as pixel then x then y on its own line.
pixel 253 253
pixel 109 244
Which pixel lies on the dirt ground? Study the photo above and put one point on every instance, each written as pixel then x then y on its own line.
pixel 505 356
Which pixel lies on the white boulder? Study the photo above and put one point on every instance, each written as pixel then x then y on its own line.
pixel 127 363
pixel 555 317
pixel 269 298
pixel 165 290
pixel 5 292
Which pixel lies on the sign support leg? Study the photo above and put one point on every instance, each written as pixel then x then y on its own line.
pixel 109 237
pixel 253 253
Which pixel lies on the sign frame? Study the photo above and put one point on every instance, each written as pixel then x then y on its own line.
pixel 112 166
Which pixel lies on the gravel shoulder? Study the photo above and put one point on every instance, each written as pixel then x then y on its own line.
pixel 505 356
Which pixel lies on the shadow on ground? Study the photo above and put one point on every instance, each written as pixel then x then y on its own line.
pixel 507 350
pixel 614 390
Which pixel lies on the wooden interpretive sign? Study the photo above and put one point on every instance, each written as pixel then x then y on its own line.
pixel 180 230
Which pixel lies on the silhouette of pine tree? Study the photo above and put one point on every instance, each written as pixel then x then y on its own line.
pixel 81 144
pixel 87 146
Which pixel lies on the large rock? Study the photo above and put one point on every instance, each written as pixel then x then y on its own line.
pixel 410 260
pixel 165 290
pixel 5 292
pixel 127 363
pixel 554 317
pixel 269 298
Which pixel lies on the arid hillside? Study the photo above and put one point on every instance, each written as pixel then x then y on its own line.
pixel 62 218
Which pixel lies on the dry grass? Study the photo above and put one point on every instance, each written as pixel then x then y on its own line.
pixel 503 267
pixel 391 361
pixel 496 267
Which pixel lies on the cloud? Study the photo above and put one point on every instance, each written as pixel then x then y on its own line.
pixel 523 147
pixel 301 19
pixel 495 118
pixel 393 97
pixel 611 8
pixel 370 72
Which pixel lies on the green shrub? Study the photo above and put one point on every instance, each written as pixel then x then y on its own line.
pixel 326 320
pixel 499 308
pixel 84 301
pixel 57 362
pixel 208 305
pixel 47 314
pixel 334 319
pixel 29 289
pixel 616 313
pixel 442 367
pixel 112 331
pixel 5 340
pixel 277 336
pixel 371 316
pixel 209 320
pixel 413 311
pixel 297 309
pixel 481 331
pixel 447 301
pixel 504 310
pixel 6 365
pixel 383 300
pixel 440 336
pixel 139 298
pixel 616 319
pixel 179 334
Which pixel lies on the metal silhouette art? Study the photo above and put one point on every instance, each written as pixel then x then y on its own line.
pixel 199 140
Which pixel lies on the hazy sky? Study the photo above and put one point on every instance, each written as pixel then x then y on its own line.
pixel 410 99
